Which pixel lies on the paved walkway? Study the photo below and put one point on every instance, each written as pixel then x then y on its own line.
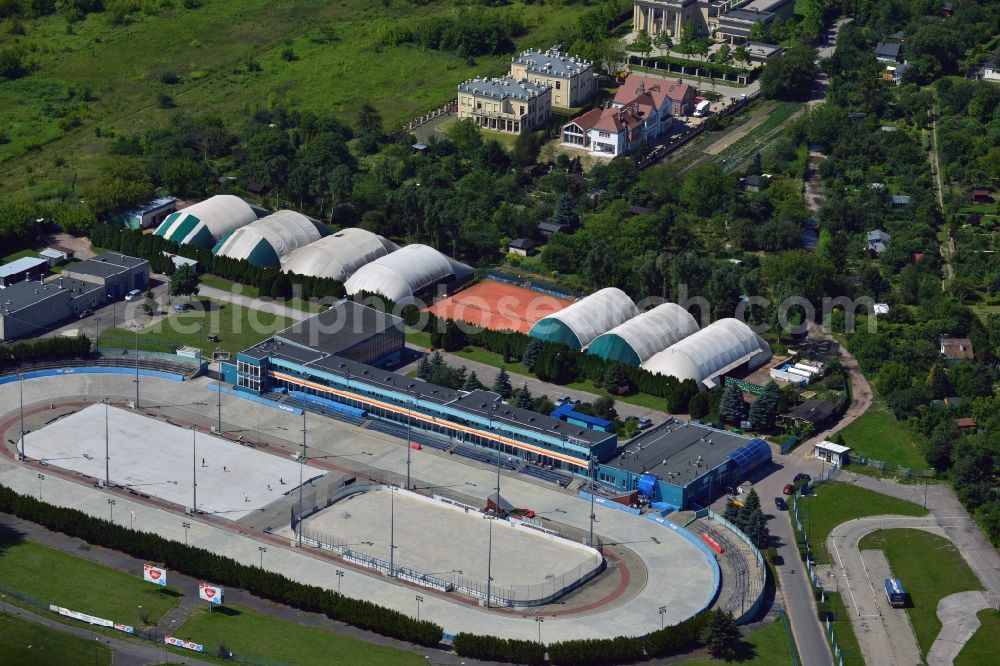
pixel 959 622
pixel 951 516
pixel 264 305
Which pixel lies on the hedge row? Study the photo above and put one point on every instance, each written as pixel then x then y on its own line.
pixel 491 648
pixel 43 349
pixel 200 563
pixel 679 638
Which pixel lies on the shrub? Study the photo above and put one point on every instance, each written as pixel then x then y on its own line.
pixel 597 652
pixel 491 648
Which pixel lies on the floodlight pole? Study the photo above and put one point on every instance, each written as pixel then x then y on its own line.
pixel 194 474
pixel 136 328
pixel 20 377
pixel 392 530
pixel 219 403
pixel 302 462
pixel 593 459
pixel 489 550
pixel 107 453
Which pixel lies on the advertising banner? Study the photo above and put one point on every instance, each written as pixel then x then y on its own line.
pixel 210 593
pixel 154 575
pixel 181 643
pixel 83 617
pixel 128 629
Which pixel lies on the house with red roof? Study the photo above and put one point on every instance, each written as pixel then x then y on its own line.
pixel 641 112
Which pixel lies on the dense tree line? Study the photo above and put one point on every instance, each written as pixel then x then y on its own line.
pixel 43 349
pixel 466 34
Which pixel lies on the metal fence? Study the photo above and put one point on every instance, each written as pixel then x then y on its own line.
pixel 754 591
pixel 893 469
pixel 553 587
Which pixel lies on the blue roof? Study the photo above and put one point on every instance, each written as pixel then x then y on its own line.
pixel 751 456
pixel 566 411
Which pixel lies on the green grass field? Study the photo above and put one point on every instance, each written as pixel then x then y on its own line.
pixel 767 646
pixel 237 327
pixel 100 76
pixel 982 647
pixel 878 435
pixel 836 503
pixel 54 577
pixel 25 644
pixel 918 559
pixel 246 632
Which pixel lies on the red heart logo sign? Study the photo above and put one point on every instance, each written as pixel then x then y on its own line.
pixel 154 574
pixel 209 592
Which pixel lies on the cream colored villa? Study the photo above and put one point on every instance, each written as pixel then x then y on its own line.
pixel 573 80
pixel 728 20
pixel 506 104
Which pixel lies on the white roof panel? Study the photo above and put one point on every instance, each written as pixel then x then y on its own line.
pixel 338 255
pixel 400 275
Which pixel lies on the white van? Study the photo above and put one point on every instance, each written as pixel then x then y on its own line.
pixel 133 295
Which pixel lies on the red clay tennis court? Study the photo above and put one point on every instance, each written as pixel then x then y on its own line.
pixel 498 306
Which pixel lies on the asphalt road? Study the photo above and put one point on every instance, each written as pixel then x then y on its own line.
pixel 795 589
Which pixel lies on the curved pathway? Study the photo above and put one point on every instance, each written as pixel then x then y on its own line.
pixel 884 634
pixel 959 622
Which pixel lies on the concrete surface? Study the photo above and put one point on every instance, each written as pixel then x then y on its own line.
pixel 679 576
pixel 959 622
pixel 431 536
pixel 155 458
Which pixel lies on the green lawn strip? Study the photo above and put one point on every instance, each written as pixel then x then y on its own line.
pixel 247 633
pixel 878 435
pixel 24 643
pixel 930 568
pixel 843 631
pixel 982 647
pixel 418 338
pixel 54 577
pixel 767 646
pixel 836 503
pixel 238 328
pixel 252 292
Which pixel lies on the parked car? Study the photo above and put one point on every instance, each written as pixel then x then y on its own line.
pixel 789 489
pixel 133 295
pixel 801 479
pixel 780 504
pixel 645 422
pixel 86 313
pixel 182 307
pixel 563 400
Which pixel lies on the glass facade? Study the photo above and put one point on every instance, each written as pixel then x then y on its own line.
pixel 434 417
